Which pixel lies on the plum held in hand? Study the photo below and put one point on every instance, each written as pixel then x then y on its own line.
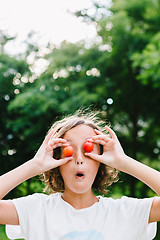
pixel 68 151
pixel 88 147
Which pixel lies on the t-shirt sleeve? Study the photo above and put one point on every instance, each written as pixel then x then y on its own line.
pixel 137 212
pixel 27 208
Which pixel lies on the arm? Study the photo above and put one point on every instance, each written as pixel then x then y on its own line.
pixel 8 181
pixel 146 174
pixel 114 156
pixel 42 162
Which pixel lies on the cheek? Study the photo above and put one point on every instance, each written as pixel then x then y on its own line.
pixel 63 174
pixel 62 170
pixel 65 170
pixel 93 166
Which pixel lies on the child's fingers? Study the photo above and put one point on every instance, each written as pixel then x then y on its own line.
pixel 63 160
pixel 101 137
pixel 110 144
pixel 55 141
pixel 60 145
pixel 93 156
pixel 113 135
pixel 47 138
pixel 98 141
pixel 97 131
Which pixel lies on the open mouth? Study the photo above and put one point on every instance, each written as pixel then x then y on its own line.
pixel 79 175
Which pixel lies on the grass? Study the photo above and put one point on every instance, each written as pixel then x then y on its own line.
pixel 3 235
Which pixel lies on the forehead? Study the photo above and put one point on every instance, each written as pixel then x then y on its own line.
pixel 79 132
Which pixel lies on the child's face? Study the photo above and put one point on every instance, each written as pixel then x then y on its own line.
pixel 79 173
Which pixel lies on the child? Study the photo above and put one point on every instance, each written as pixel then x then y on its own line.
pixel 74 212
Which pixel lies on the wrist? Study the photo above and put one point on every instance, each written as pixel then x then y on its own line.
pixel 127 164
pixel 35 167
pixel 123 163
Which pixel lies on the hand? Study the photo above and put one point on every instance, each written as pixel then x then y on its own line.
pixel 112 151
pixel 44 157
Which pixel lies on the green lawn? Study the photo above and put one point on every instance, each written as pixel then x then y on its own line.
pixel 2 233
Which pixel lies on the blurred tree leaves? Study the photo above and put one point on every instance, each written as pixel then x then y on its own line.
pixel 11 70
pixel 148 62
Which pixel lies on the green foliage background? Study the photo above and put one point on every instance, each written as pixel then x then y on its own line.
pixel 117 74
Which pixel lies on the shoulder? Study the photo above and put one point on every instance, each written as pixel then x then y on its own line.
pixel 114 201
pixel 125 199
pixel 42 196
pixel 127 203
pixel 36 200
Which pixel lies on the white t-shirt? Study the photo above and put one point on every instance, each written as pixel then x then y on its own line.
pixel 49 217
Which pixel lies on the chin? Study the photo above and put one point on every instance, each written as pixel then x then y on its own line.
pixel 80 189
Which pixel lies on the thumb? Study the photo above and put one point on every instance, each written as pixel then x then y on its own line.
pixel 94 156
pixel 64 160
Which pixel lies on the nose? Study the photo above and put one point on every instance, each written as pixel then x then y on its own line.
pixel 79 157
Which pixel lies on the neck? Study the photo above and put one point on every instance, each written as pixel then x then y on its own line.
pixel 79 201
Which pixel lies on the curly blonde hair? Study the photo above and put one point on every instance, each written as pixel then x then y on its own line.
pixel 105 175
